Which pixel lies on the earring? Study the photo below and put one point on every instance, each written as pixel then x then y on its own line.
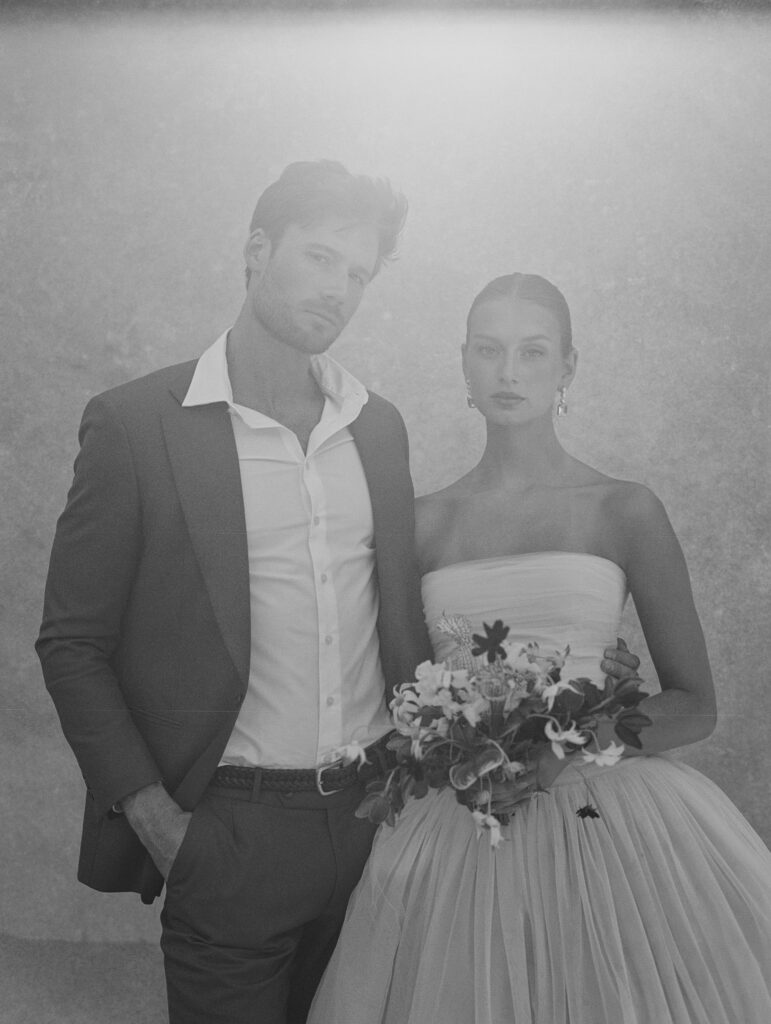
pixel 562 405
pixel 469 400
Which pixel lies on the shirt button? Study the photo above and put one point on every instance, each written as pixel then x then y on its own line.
pixel 327 640
pixel 330 701
pixel 323 577
pixel 316 520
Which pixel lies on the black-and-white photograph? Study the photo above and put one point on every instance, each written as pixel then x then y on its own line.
pixel 386 476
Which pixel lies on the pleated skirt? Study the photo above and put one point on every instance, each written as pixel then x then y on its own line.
pixel 657 912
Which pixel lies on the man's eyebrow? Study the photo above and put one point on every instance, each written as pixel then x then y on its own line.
pixel 522 341
pixel 331 251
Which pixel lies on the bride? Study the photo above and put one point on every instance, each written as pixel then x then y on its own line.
pixel 658 911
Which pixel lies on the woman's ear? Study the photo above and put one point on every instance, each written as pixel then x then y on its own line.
pixel 571 363
pixel 257 251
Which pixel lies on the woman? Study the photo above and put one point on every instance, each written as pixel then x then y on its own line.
pixel 659 911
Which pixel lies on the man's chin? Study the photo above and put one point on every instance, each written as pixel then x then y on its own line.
pixel 314 343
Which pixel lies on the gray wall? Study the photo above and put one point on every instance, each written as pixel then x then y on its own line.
pixel 626 158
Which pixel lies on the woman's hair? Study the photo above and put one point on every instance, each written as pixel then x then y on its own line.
pixel 309 191
pixel 534 289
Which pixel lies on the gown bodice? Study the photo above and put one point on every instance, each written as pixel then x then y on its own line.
pixel 552 597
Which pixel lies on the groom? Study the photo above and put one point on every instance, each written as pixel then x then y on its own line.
pixel 232 590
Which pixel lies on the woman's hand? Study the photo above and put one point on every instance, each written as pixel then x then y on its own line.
pixel 544 768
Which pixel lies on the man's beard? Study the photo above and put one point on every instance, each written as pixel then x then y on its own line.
pixel 278 319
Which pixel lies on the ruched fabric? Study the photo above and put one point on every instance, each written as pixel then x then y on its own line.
pixel 657 912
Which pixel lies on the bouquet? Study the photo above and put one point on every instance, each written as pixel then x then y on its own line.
pixel 482 716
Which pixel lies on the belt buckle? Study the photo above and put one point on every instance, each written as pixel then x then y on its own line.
pixel 320 782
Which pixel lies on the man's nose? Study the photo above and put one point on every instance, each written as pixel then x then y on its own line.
pixel 335 286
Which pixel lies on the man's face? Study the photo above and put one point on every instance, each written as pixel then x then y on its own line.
pixel 306 288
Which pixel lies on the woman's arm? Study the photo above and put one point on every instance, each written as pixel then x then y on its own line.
pixel 685 710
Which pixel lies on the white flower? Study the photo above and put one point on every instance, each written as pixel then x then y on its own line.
pixel 474 710
pixel 404 707
pixel 511 769
pixel 488 822
pixel 430 679
pixel 549 693
pixel 605 758
pixel 351 752
pixel 559 736
pixel 416 747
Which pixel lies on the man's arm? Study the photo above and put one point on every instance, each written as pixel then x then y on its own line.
pixel 95 555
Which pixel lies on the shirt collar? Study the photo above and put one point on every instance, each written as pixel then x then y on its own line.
pixel 211 383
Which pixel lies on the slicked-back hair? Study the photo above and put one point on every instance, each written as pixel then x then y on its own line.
pixel 533 288
pixel 311 190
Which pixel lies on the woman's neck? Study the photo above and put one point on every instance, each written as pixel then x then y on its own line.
pixel 516 458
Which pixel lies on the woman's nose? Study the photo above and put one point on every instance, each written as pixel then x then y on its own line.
pixel 509 369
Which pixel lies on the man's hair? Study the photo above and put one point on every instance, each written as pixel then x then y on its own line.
pixel 309 191
pixel 534 289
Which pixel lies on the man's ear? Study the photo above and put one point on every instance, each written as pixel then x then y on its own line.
pixel 257 252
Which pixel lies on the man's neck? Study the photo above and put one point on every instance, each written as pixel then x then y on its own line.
pixel 267 375
pixel 274 379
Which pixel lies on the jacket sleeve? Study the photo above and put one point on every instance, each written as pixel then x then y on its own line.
pixel 94 557
pixel 382 439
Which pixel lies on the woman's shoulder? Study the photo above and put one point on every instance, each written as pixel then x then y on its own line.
pixel 631 500
pixel 623 496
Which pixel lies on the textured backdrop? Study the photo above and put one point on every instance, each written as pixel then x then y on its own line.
pixel 626 158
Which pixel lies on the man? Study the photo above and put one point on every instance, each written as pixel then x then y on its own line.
pixel 232 591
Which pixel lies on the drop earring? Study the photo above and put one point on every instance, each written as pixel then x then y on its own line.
pixel 469 400
pixel 562 405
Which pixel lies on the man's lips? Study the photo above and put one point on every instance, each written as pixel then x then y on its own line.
pixel 325 314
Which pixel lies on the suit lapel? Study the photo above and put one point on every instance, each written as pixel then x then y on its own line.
pixel 204 463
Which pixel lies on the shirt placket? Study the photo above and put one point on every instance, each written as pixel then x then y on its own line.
pixel 330 669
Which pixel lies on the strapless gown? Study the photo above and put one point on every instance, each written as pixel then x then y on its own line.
pixel 658 912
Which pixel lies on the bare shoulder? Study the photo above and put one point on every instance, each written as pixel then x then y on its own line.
pixel 634 503
pixel 435 515
pixel 431 510
pixel 636 519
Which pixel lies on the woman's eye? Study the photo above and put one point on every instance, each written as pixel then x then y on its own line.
pixel 358 279
pixel 319 257
pixel 533 353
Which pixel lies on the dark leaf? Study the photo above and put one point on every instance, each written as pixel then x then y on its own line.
pixel 634 720
pixel 491 643
pixel 464 775
pixel 627 736
pixel 421 789
pixel 587 811
pixel 376 807
pixel 625 686
pixel 592 694
pixel 568 702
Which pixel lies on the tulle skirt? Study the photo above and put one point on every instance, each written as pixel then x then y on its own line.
pixel 658 912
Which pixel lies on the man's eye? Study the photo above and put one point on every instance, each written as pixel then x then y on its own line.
pixel 320 257
pixel 533 353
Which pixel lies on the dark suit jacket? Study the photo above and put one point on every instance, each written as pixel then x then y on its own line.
pixel 145 638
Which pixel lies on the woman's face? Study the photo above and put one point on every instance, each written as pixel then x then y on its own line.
pixel 513 360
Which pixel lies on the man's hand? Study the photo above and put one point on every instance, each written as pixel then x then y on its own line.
pixel 619 661
pixel 159 822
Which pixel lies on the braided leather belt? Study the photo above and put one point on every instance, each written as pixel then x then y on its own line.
pixel 326 779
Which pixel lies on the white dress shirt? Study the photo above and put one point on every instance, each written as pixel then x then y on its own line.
pixel 315 680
